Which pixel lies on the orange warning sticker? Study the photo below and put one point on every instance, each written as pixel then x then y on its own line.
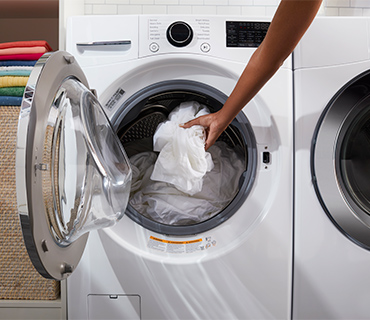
pixel 171 246
pixel 176 242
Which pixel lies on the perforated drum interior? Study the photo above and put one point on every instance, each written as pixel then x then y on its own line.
pixel 138 120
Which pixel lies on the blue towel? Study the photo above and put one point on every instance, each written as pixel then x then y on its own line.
pixel 10 101
pixel 18 63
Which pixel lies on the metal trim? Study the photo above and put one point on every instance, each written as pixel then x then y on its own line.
pixel 49 258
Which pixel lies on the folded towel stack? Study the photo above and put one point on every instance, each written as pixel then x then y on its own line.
pixel 16 62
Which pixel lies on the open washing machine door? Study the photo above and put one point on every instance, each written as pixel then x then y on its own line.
pixel 72 173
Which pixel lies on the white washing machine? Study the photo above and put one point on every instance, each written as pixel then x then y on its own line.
pixel 332 195
pixel 236 264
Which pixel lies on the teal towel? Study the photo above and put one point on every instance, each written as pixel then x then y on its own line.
pixel 15 73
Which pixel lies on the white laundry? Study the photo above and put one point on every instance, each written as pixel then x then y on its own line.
pixel 164 203
pixel 182 159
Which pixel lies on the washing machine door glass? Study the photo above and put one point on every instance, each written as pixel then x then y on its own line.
pixel 72 173
pixel 341 160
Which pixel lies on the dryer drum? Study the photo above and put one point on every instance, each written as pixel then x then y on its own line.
pixel 137 120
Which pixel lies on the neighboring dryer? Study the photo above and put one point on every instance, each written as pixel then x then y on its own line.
pixel 332 170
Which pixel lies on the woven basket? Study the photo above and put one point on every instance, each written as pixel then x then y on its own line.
pixel 18 278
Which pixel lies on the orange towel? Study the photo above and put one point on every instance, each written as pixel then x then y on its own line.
pixel 22 50
pixel 17 44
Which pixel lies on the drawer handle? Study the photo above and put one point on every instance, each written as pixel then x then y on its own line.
pixel 104 43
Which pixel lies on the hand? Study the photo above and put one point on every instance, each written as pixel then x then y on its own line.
pixel 213 124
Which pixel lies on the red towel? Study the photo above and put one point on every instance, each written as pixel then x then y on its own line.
pixel 34 43
pixel 31 56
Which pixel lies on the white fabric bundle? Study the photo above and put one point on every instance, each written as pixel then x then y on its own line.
pixel 182 159
pixel 164 203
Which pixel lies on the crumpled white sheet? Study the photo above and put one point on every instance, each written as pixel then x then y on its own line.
pixel 182 159
pixel 164 203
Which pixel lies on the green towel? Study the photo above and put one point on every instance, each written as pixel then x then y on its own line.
pixel 12 91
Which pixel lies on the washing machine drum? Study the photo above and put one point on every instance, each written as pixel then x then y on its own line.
pixel 159 206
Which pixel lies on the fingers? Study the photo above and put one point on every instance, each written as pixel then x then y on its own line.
pixel 208 123
pixel 187 125
pixel 196 121
pixel 211 138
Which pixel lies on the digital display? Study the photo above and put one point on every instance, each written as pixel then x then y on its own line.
pixel 245 33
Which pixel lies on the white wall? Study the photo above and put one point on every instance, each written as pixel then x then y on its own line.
pixel 228 7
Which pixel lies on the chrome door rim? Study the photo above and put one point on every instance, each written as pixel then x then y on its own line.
pixel 44 251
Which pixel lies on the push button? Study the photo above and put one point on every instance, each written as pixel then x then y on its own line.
pixel 205 47
pixel 154 47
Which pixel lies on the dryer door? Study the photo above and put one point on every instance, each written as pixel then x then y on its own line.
pixel 341 160
pixel 72 173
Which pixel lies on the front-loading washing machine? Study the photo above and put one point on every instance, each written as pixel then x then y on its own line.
pixel 332 223
pixel 235 263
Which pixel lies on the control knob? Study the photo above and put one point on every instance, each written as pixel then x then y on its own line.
pixel 179 34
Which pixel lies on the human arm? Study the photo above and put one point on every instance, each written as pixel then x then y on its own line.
pixel 290 22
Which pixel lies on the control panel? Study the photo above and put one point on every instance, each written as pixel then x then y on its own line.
pixel 245 33
pixel 214 36
pixel 166 34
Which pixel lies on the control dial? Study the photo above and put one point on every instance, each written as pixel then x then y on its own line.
pixel 179 34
